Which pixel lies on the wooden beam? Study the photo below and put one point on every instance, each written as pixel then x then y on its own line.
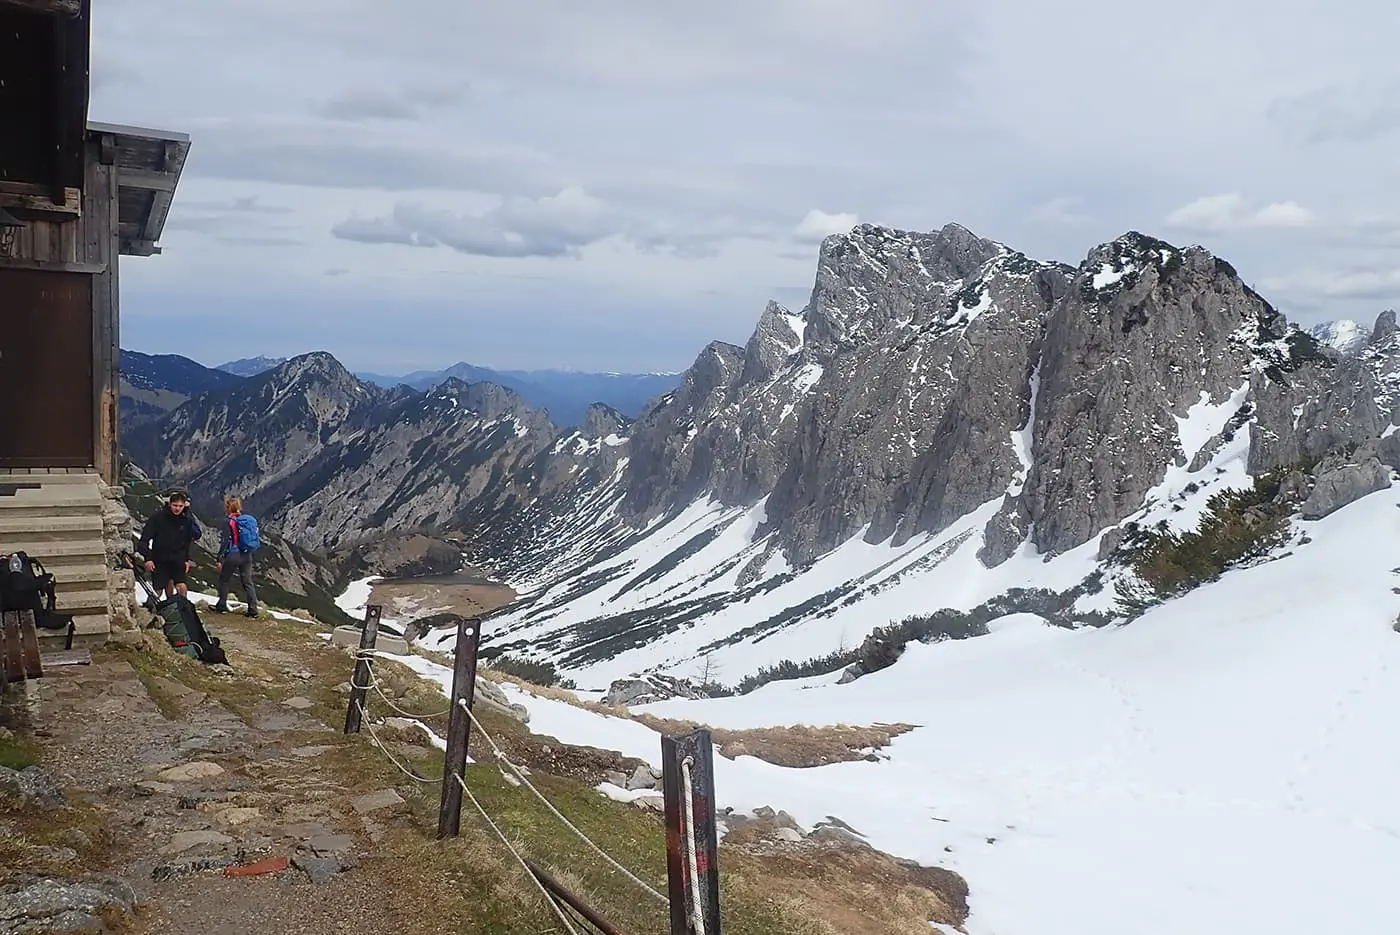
pixel 106 319
pixel 145 179
pixel 47 7
pixel 160 203
pixel 37 199
pixel 51 267
pixel 135 247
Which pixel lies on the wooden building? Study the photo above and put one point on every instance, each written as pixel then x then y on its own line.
pixel 75 196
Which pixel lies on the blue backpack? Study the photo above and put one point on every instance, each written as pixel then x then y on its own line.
pixel 248 538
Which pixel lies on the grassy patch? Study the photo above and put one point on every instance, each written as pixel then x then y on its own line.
pixel 528 670
pixel 797 746
pixel 16 752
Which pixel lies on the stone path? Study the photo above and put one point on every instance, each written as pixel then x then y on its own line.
pixel 197 797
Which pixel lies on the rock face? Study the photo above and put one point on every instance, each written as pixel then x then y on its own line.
pixel 623 693
pixel 403 556
pixel 1145 332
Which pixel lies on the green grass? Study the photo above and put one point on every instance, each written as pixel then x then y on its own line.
pixel 17 753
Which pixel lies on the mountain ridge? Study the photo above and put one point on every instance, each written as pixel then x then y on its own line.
pixel 942 401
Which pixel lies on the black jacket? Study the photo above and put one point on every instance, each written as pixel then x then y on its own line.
pixel 167 538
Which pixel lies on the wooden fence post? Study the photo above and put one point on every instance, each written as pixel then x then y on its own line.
pixel 459 727
pixel 692 843
pixel 359 682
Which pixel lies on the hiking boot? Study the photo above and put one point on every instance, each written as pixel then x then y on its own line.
pixel 250 613
pixel 220 608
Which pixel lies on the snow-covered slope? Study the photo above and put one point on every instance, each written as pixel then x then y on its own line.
pixel 1225 764
pixel 1345 336
pixel 704 590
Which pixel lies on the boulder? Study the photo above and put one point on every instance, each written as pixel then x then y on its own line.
pixel 646 689
pixel 489 695
pixel 31 787
pixel 644 777
pixel 1342 484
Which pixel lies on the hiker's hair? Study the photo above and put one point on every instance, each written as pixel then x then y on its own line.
pixel 233 505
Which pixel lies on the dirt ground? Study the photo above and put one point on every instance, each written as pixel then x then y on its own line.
pixel 177 775
pixel 408 598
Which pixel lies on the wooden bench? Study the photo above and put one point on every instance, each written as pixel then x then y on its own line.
pixel 20 658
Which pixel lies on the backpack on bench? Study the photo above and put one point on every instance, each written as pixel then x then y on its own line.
pixel 26 585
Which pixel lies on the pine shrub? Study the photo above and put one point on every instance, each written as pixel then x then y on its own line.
pixel 1237 525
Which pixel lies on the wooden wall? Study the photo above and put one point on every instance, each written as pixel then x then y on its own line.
pixel 81 237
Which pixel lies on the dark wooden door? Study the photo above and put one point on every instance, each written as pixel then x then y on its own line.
pixel 46 387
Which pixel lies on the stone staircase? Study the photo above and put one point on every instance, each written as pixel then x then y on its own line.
pixel 56 517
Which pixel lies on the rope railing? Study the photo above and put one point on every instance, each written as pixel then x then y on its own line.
pixel 407 771
pixel 481 809
pixel 548 897
pixel 525 780
pixel 691 840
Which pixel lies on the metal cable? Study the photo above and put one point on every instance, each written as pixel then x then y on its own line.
pixel 500 754
pixel 553 904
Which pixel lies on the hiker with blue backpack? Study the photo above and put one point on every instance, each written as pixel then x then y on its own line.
pixel 238 540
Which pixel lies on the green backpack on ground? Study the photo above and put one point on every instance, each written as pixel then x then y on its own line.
pixel 172 624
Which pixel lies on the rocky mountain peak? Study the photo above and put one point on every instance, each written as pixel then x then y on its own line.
pixel 602 421
pixel 1384 328
pixel 314 366
pixel 877 277
pixel 777 337
pixel 491 403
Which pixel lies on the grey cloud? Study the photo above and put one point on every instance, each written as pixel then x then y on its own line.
pixel 261 241
pixel 1380 283
pixel 233 206
pixel 553 226
pixel 787 43
pixel 380 230
pixel 368 105
pixel 294 156
pixel 411 103
pixel 1357 114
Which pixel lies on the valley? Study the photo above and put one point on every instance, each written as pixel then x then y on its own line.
pixel 1075 531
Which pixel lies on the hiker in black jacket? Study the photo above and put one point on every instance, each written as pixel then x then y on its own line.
pixel 165 541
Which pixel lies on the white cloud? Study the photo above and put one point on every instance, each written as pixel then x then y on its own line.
pixel 1232 212
pixel 818 225
pixel 1062 210
pixel 1378 285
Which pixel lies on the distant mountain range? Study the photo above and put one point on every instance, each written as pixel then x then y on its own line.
pixel 565 394
pixel 153 385
pixel 251 366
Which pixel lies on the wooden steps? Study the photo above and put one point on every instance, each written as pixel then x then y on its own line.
pixel 56 517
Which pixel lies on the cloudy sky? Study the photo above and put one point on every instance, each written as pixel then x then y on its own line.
pixel 610 184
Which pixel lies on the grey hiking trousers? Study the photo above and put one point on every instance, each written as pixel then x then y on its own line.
pixel 241 564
